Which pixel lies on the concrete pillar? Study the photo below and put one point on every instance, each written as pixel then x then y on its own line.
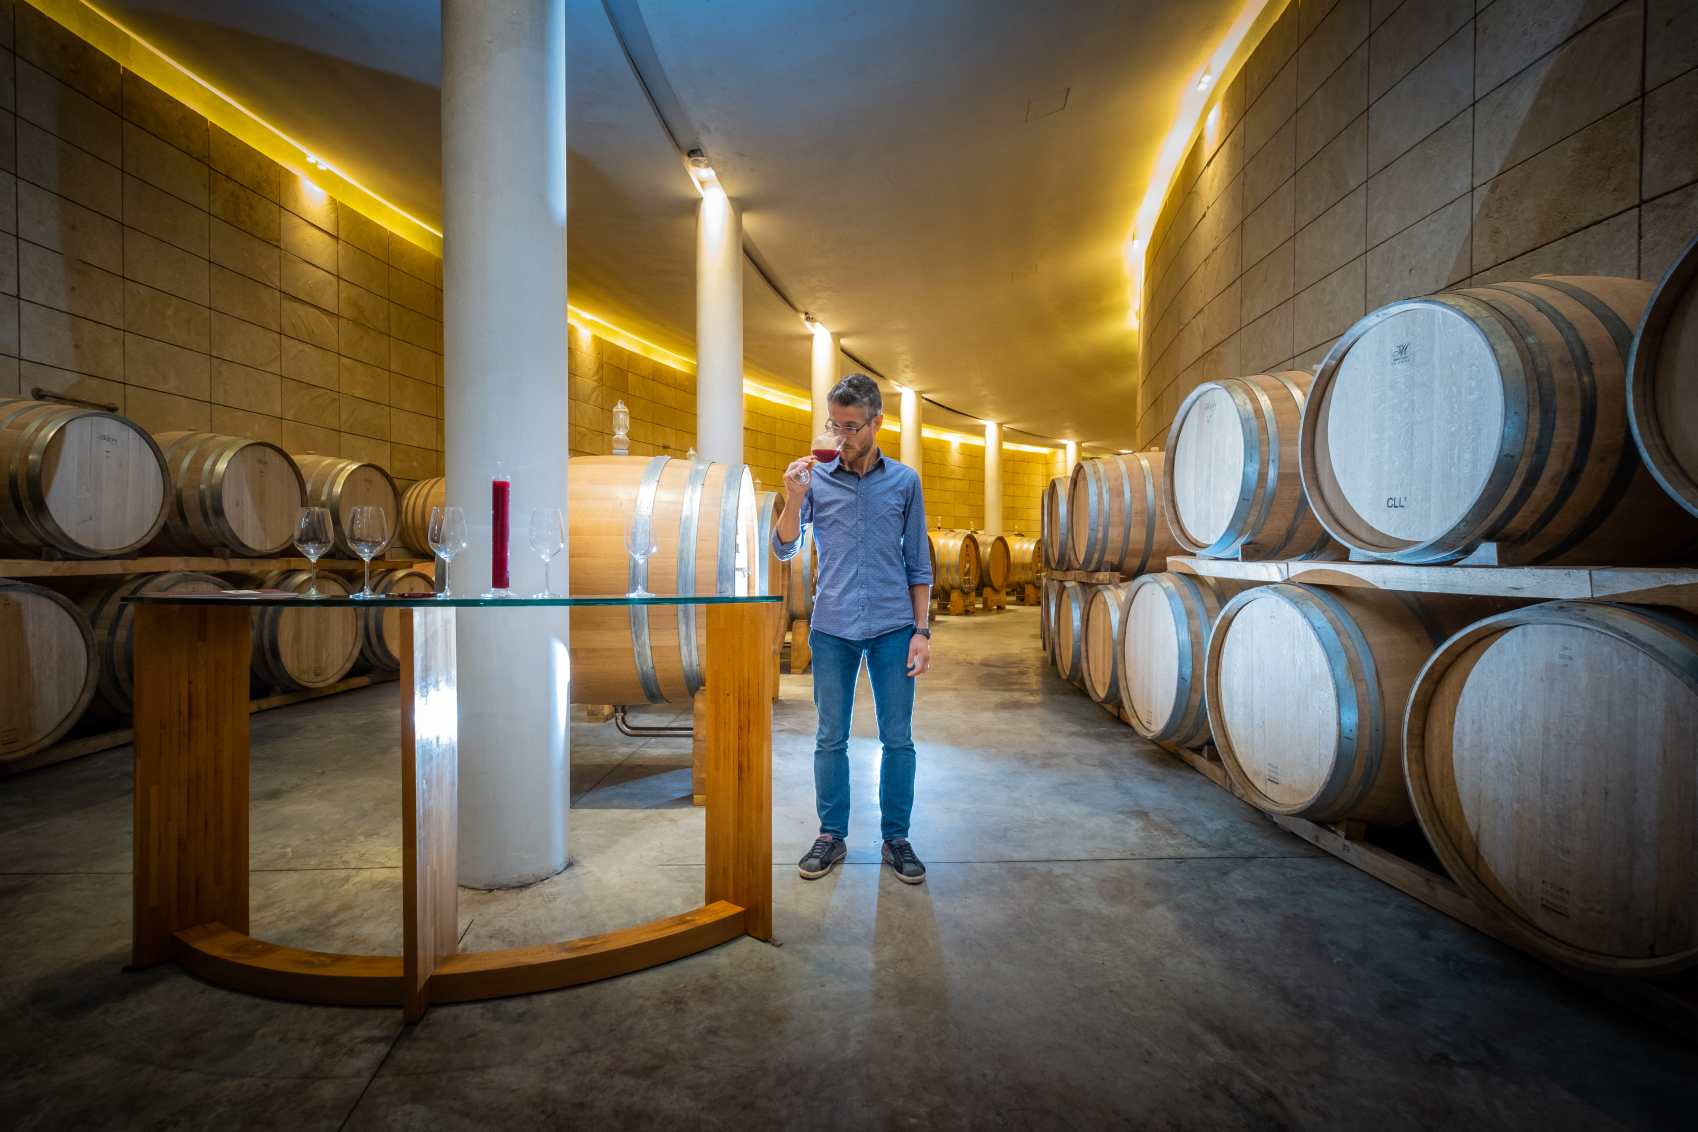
pixel 1072 455
pixel 993 478
pixel 911 424
pixel 824 374
pixel 505 401
pixel 719 326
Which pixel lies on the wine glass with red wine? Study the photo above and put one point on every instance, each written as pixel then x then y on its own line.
pixel 826 448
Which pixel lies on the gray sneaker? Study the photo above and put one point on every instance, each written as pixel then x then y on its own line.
pixel 899 855
pixel 827 851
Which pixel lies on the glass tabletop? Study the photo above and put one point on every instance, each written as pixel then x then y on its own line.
pixel 431 602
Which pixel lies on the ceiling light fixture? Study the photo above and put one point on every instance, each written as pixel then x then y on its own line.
pixel 701 172
pixel 1203 83
pixel 814 324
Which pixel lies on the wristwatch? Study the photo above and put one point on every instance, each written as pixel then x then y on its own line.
pixel 926 633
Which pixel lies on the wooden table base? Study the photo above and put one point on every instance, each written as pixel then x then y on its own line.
pixel 191 823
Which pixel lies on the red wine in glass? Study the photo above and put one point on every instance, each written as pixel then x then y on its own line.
pixel 825 455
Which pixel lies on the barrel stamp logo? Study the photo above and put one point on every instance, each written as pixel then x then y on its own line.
pixel 1553 898
pixel 1400 354
pixel 1272 774
pixel 1397 502
pixel 110 439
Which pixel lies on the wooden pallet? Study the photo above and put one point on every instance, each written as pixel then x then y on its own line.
pixel 106 740
pixel 1672 1005
pixel 1089 577
pixel 41 568
pixel 1641 585
pixel 956 602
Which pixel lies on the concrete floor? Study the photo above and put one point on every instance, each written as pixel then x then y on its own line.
pixel 1107 940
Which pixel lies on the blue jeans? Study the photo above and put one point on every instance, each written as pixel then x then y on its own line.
pixel 837 664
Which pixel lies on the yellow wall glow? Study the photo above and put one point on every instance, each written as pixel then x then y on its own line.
pixel 1196 98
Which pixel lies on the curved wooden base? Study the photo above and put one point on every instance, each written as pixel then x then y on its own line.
pixel 241 962
pixel 191 822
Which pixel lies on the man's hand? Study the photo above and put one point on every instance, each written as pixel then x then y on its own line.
pixel 919 655
pixel 795 486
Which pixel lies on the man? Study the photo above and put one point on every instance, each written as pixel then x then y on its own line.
pixel 875 575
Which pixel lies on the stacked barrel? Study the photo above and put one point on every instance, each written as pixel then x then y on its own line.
pixel 1545 748
pixel 88 484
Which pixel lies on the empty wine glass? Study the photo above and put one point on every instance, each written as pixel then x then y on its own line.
pixel 548 538
pixel 312 539
pixel 640 543
pixel 448 538
pixel 827 446
pixel 368 533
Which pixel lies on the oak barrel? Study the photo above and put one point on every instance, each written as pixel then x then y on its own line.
pixel 1054 516
pixel 47 667
pixel 1306 686
pixel 1046 617
pixel 416 505
pixel 704 517
pixel 1164 642
pixel 1115 515
pixel 114 626
pixel 1662 381
pixel 380 629
pixel 342 485
pixel 228 492
pixel 1233 486
pixel 1099 656
pixel 300 648
pixel 1491 414
pixel 1067 628
pixel 956 562
pixel 804 575
pixel 995 560
pixel 1025 560
pixel 774 577
pixel 84 483
pixel 1573 818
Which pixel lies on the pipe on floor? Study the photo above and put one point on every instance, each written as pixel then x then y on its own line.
pixel 646 732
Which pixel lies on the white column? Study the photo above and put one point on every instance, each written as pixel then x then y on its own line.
pixel 719 327
pixel 993 478
pixel 1072 455
pixel 912 451
pixel 504 378
pixel 824 375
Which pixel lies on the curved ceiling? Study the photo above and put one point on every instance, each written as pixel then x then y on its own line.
pixel 949 186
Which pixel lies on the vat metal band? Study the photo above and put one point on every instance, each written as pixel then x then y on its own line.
pixel 1149 509
pixel 725 580
pixel 642 522
pixel 687 522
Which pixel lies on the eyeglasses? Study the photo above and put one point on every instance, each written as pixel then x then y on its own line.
pixel 844 429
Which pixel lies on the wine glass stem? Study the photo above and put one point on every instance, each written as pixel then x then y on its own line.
pixel 547 590
pixel 312 581
pixel 367 589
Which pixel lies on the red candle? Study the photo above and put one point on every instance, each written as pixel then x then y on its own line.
pixel 503 490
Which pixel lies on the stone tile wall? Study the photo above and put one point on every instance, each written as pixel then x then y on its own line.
pixel 151 261
pixel 1373 150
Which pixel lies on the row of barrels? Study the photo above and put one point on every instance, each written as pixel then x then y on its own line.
pixel 67 647
pixel 86 483
pixel 970 561
pixel 1553 417
pixel 1546 749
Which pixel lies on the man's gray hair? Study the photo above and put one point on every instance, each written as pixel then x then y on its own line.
pixel 857 391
